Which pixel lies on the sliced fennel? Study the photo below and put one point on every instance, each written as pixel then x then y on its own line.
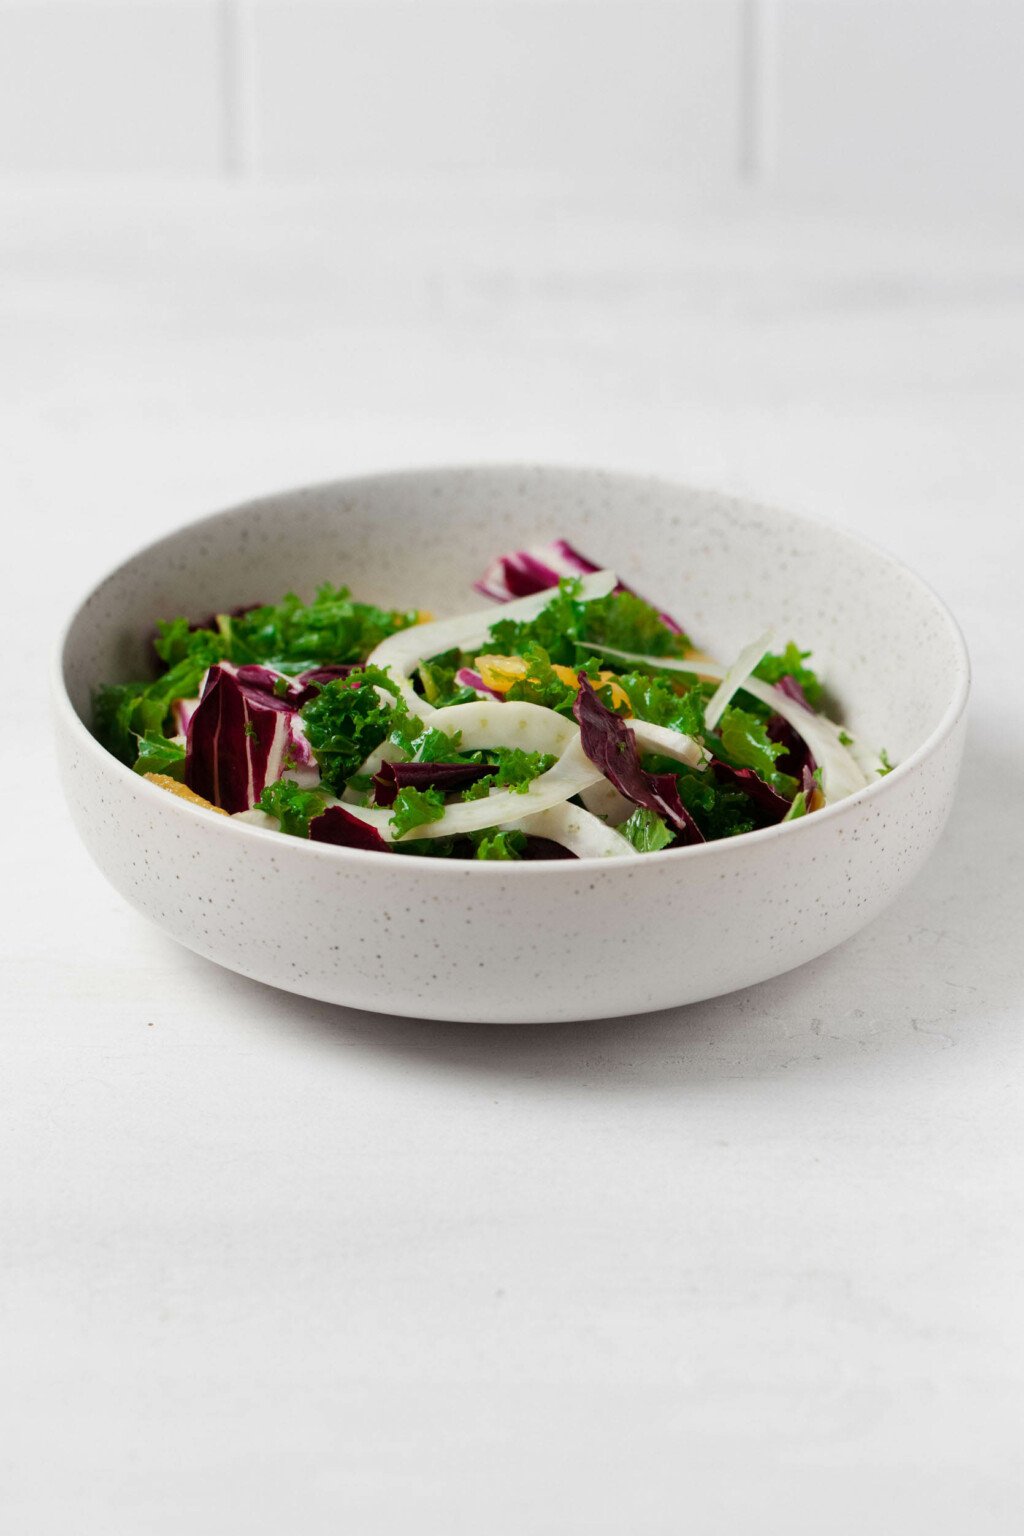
pixel 402 653
pixel 572 773
pixel 583 834
pixel 255 818
pixel 661 738
pixel 488 723
pixel 603 800
pixel 842 775
pixel 734 679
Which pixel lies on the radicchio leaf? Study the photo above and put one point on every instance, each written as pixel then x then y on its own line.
pixel 344 830
pixel 467 678
pixel 238 739
pixel 545 848
pixel 612 747
pixel 310 683
pixel 182 711
pixel 772 807
pixel 294 691
pixel 525 571
pixel 210 622
pixel 797 756
pixel 792 689
pixel 447 777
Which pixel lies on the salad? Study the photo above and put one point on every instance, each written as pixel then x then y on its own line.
pixel 574 721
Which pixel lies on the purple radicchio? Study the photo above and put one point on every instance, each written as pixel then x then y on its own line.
pixel 447 777
pixel 770 807
pixel 182 711
pixel 344 830
pixel 612 747
pixel 239 740
pixel 295 691
pixel 797 758
pixel 792 689
pixel 545 848
pixel 542 566
pixel 467 678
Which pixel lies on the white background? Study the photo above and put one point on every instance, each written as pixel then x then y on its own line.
pixel 750 1266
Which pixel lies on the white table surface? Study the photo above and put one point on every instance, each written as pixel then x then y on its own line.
pixel 270 1266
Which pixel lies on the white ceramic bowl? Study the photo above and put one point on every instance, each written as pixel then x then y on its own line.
pixel 539 941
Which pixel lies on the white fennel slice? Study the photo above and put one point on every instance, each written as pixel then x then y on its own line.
pixel 255 818
pixel 841 774
pixel 402 653
pixel 583 834
pixel 486 723
pixel 734 679
pixel 572 773
pixel 659 738
pixel 603 799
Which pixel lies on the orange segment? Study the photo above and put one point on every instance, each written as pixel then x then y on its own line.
pixel 173 787
pixel 500 672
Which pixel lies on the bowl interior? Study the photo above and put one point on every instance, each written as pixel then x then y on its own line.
pixel 889 652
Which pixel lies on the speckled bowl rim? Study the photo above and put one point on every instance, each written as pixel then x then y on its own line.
pixel 552 869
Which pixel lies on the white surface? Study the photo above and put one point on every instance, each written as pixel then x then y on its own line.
pixel 754 1266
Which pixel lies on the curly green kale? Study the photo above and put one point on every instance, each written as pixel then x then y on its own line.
pixel 718 810
pixel 294 808
pixel 620 620
pixel 437 675
pixel 492 844
pixel 292 635
pixel 343 725
pixel 156 754
pixel 790 663
pixel 414 808
pixel 647 831
pixel 657 699
pixel 124 713
pixel 514 769
pixel 745 743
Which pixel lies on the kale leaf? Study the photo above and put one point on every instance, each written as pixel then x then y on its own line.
pixel 620 620
pixel 437 675
pixel 124 712
pixel 294 808
pixel 492 844
pixel 745 743
pixel 414 808
pixel 436 746
pixel 343 725
pixel 719 810
pixel 292 636
pixel 647 831
pixel 657 700
pixel 158 755
pixel 790 663
pixel 514 769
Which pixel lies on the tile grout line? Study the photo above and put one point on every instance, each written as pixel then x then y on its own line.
pixel 758 87
pixel 238 90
